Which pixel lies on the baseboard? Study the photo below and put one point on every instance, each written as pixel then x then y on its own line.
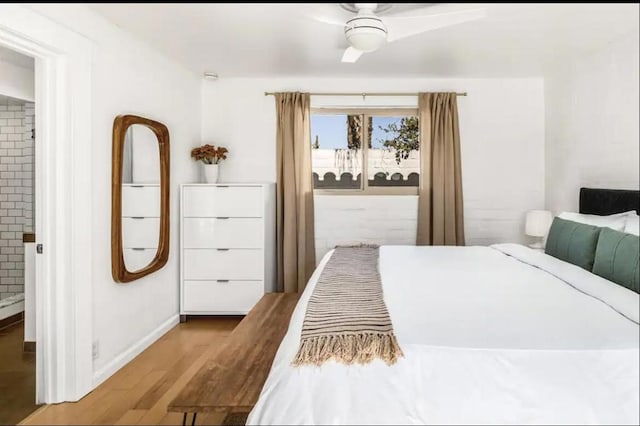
pixel 29 347
pixel 125 357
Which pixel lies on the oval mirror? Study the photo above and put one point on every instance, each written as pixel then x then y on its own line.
pixel 140 197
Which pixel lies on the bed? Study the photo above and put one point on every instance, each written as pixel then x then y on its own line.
pixel 491 335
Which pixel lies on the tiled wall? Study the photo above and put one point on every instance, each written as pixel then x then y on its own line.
pixel 16 190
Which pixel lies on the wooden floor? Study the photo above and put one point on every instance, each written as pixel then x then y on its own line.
pixel 139 393
pixel 17 376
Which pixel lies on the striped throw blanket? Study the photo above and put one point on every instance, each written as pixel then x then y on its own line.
pixel 347 319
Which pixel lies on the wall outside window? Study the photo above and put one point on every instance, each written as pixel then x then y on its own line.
pixel 332 163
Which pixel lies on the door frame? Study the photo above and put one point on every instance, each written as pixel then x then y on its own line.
pixel 63 209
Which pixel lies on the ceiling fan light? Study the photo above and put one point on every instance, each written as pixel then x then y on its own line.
pixel 365 32
pixel 367 41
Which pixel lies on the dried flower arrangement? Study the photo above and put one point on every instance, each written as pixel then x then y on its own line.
pixel 209 154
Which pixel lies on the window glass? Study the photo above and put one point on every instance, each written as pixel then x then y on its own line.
pixel 393 158
pixel 384 144
pixel 337 155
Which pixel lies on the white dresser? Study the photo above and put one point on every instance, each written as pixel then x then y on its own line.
pixel 140 224
pixel 227 247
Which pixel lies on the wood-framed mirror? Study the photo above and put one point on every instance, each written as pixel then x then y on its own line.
pixel 139 197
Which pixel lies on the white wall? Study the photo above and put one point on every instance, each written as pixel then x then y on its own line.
pixel 16 82
pixel 592 124
pixel 376 219
pixel 502 132
pixel 130 77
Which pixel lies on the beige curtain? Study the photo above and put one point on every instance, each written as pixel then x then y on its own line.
pixel 440 215
pixel 296 256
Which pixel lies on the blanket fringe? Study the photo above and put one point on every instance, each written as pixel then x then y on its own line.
pixel 348 349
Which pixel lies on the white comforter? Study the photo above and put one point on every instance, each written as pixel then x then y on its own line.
pixel 499 334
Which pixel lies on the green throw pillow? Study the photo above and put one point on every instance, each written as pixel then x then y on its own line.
pixel 618 258
pixel 573 242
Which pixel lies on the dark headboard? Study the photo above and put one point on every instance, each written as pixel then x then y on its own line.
pixel 608 201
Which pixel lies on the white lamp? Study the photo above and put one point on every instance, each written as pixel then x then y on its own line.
pixel 537 225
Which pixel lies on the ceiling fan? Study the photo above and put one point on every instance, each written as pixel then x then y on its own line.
pixel 366 31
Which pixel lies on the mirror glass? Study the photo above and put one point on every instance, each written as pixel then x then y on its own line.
pixel 140 197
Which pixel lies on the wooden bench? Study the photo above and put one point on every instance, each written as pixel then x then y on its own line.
pixel 232 380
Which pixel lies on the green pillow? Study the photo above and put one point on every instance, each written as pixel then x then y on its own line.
pixel 618 258
pixel 573 242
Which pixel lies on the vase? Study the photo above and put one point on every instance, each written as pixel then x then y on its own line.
pixel 210 173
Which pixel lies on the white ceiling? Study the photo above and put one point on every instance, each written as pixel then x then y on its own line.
pixel 514 40
pixel 15 58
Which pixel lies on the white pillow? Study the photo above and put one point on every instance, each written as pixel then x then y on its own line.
pixel 632 225
pixel 616 221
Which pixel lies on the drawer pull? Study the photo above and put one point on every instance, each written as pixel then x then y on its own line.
pixel 222 186
pixel 223 281
pixel 137 186
pixel 137 248
pixel 137 217
pixel 223 249
pixel 223 217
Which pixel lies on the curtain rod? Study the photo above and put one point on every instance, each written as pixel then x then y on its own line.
pixel 363 94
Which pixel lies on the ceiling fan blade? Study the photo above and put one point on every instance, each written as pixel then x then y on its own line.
pixel 327 20
pixel 327 14
pixel 407 26
pixel 412 9
pixel 351 55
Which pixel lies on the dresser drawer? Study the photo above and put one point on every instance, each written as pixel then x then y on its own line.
pixel 141 201
pixel 220 201
pixel 213 296
pixel 140 233
pixel 232 264
pixel 223 233
pixel 135 260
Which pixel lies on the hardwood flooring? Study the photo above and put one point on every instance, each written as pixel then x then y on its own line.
pixel 233 380
pixel 17 376
pixel 140 392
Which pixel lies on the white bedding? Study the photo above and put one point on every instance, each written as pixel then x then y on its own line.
pixel 501 335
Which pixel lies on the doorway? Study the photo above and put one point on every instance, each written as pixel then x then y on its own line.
pixel 17 237
pixel 63 217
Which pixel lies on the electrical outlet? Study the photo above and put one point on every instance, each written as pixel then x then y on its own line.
pixel 95 349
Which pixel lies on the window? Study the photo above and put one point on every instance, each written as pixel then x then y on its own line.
pixel 390 157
